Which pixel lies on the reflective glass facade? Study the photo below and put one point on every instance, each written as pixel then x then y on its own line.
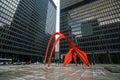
pixel 67 3
pixel 51 18
pixel 22 29
pixel 95 27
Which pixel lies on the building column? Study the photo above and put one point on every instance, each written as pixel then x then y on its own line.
pixel 60 57
pixel 119 58
pixel 93 58
pixel 17 58
pixel 109 57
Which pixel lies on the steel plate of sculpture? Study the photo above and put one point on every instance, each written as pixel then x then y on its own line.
pixel 73 51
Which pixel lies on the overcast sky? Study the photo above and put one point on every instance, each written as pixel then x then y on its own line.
pixel 57 3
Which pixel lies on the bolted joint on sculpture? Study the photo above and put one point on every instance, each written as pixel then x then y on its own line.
pixel 73 51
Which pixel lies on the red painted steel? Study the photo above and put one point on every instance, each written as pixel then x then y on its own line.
pixel 73 51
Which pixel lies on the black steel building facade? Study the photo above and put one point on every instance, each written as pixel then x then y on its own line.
pixel 22 29
pixel 94 25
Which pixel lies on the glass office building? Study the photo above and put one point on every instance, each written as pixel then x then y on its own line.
pixel 51 18
pixel 94 25
pixel 22 29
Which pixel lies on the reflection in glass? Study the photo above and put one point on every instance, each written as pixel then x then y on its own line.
pixel 7 11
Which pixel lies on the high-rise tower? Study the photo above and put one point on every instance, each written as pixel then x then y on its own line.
pixel 94 25
pixel 22 29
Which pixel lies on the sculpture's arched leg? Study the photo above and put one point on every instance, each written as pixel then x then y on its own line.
pixel 57 33
pixel 74 57
pixel 68 57
pixel 61 36
pixel 52 36
pixel 82 56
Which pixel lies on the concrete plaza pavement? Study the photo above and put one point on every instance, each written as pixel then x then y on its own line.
pixel 57 72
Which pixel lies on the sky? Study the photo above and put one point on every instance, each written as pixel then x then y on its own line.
pixel 57 3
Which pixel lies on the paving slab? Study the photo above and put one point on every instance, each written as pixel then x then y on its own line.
pixel 114 69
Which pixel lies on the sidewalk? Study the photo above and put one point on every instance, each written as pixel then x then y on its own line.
pixel 55 72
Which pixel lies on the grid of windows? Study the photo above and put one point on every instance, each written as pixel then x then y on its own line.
pixel 7 11
pixel 22 27
pixel 66 3
pixel 51 18
pixel 95 27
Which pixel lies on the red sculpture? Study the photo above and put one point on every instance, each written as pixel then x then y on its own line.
pixel 73 51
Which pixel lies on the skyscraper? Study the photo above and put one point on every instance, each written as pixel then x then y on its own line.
pixel 94 25
pixel 51 18
pixel 22 29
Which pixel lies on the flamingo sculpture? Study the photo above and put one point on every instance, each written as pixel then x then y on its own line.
pixel 73 51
